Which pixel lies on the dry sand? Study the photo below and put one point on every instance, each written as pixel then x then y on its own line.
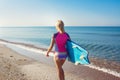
pixel 14 66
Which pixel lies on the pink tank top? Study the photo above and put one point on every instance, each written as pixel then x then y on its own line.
pixel 60 40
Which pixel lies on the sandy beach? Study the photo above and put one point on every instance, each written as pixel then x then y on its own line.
pixel 17 67
pixel 14 65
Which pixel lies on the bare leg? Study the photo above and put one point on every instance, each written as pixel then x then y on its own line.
pixel 59 64
pixel 63 76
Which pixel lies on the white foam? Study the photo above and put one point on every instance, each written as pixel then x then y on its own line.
pixel 33 50
pixel 114 73
pixel 26 48
pixel 1 42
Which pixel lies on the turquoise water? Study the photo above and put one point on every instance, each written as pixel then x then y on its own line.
pixel 101 42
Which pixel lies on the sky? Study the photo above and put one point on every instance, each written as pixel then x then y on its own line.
pixel 47 12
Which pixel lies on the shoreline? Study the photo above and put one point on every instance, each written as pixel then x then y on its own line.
pixel 115 66
pixel 72 71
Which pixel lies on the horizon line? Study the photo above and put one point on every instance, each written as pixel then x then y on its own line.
pixel 66 26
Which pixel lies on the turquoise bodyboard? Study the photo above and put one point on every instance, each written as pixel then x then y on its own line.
pixel 77 54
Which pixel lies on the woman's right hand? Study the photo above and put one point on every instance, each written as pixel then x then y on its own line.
pixel 47 55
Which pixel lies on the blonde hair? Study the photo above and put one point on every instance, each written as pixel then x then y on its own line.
pixel 60 25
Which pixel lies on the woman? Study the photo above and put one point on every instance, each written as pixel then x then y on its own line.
pixel 59 39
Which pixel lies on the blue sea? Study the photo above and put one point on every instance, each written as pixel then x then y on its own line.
pixel 101 42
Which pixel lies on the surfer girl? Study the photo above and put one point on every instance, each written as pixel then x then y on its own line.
pixel 59 39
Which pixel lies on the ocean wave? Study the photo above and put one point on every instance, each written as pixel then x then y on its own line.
pixel 102 49
pixel 28 47
pixel 101 34
pixel 109 71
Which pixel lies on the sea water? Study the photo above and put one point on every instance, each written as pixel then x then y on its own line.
pixel 101 42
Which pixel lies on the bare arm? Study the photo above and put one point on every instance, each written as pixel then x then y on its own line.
pixel 51 46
